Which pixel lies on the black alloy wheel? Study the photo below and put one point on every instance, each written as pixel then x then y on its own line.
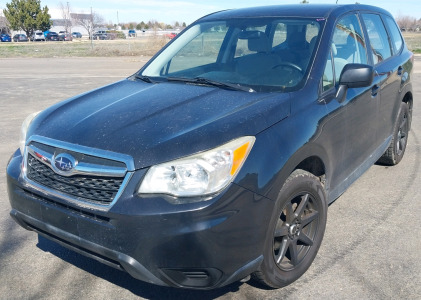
pixel 295 231
pixel 402 135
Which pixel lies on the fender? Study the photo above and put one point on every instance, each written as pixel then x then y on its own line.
pixel 265 174
pixel 407 96
pixel 310 157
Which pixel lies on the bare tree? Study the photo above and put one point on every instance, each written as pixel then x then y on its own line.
pixel 4 24
pixel 88 21
pixel 84 20
pixel 65 14
pixel 406 22
pixel 154 25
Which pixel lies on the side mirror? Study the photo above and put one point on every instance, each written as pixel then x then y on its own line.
pixel 354 76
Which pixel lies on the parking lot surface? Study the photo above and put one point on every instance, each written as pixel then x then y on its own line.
pixel 371 248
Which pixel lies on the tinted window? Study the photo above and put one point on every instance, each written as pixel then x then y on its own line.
pixel 241 51
pixel 348 45
pixel 294 41
pixel 242 44
pixel 378 37
pixel 280 35
pixel 394 33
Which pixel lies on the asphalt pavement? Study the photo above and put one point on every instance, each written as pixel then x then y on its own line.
pixel 371 248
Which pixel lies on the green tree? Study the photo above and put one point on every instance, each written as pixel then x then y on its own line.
pixel 27 15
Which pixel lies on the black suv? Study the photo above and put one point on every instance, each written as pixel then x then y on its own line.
pixel 100 35
pixel 218 159
pixel 52 36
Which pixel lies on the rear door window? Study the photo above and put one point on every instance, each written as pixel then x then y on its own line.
pixel 380 46
pixel 395 34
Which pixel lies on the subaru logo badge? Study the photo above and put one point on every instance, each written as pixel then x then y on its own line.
pixel 64 162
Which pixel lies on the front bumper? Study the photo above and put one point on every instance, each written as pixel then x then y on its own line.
pixel 198 245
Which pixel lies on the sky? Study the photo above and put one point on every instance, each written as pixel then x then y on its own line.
pixel 169 11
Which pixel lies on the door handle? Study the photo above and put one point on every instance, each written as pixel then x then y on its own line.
pixel 400 70
pixel 375 90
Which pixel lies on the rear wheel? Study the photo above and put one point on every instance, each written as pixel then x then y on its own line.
pixel 396 149
pixel 296 230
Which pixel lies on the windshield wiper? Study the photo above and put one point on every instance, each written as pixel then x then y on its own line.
pixel 206 81
pixel 145 78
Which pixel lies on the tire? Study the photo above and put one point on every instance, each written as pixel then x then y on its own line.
pixel 295 232
pixel 397 147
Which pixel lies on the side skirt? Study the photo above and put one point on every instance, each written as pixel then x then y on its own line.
pixel 344 185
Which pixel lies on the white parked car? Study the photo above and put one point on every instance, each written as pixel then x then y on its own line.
pixel 38 36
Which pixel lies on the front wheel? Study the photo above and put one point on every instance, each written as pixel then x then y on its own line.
pixel 295 232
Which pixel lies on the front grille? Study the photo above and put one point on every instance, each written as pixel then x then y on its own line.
pixel 94 189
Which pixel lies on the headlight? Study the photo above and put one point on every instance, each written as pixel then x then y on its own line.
pixel 198 175
pixel 24 130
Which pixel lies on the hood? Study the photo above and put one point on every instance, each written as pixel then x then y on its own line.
pixel 155 123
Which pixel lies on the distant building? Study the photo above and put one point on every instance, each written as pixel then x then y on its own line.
pixel 60 25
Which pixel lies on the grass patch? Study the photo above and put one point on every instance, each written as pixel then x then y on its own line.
pixel 147 46
pixel 413 40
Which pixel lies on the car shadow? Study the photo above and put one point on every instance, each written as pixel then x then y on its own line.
pixel 124 280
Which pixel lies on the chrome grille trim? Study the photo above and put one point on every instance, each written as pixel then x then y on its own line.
pixel 80 169
pixel 126 159
pixel 109 170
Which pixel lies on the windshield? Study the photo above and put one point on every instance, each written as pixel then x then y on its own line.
pixel 265 54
